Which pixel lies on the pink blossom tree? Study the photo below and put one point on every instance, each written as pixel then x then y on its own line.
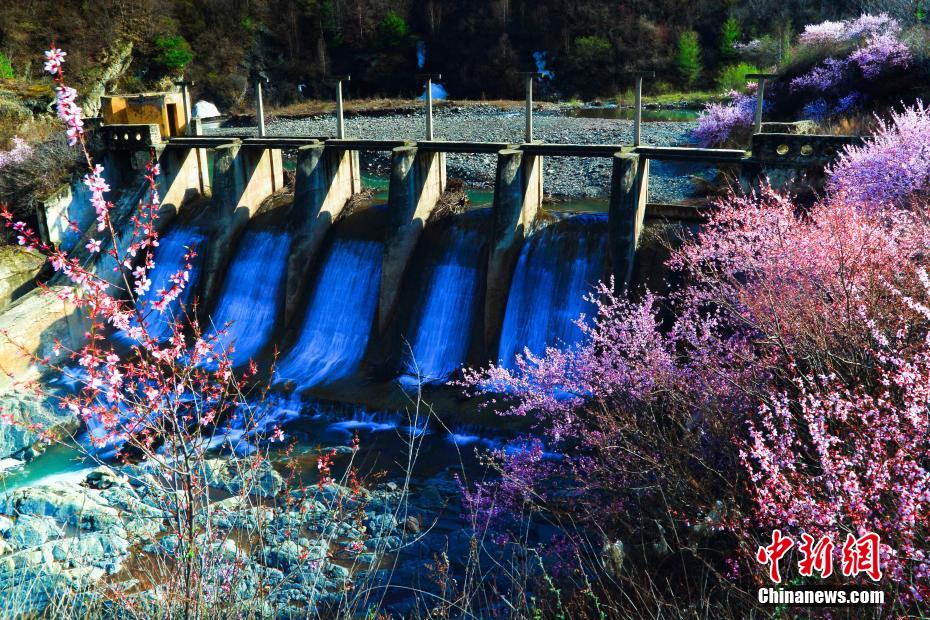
pixel 785 389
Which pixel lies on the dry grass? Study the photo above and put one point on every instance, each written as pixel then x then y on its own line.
pixel 860 125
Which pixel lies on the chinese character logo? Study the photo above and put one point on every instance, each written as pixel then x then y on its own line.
pixel 773 553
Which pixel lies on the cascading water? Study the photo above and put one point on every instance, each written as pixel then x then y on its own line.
pixel 251 295
pixel 339 317
pixel 439 334
pixel 558 267
pixel 169 260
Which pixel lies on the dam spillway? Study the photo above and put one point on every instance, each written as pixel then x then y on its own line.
pixel 440 325
pixel 338 319
pixel 558 268
pixel 169 258
pixel 250 301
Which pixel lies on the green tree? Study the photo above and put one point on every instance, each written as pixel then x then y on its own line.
pixel 689 57
pixel 730 34
pixel 172 53
pixel 392 30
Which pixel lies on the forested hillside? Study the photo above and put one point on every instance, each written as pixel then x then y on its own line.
pixel 479 46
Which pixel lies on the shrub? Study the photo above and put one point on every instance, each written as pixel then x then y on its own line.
pixel 726 123
pixel 765 51
pixel 689 57
pixel 19 153
pixel 789 386
pixel 865 27
pixel 172 53
pixel 6 69
pixel 892 166
pixel 733 77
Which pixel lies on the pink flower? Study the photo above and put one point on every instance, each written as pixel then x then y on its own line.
pixel 54 59
pixel 93 246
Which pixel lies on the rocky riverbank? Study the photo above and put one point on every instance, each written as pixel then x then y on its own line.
pixel 564 177
pixel 333 546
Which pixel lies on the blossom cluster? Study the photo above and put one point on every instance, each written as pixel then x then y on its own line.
pixel 720 122
pixel 823 77
pixel 68 110
pixel 892 166
pixel 881 53
pixel 877 55
pixel 844 31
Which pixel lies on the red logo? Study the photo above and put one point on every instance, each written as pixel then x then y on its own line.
pixel 773 553
pixel 817 557
pixel 859 555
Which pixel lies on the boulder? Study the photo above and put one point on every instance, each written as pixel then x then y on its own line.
pixel 31 531
pixel 25 416
pixel 412 525
pixel 103 478
pixel 68 503
pixel 235 476
pixel 204 109
pixel 612 556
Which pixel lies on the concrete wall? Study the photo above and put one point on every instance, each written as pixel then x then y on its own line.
pixel 326 179
pixel 184 175
pixel 243 177
pixel 628 195
pixel 518 192
pixel 418 180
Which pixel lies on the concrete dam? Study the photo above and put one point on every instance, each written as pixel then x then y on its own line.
pixel 401 287
pixel 323 291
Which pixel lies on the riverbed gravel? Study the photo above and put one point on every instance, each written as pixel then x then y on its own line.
pixel 565 177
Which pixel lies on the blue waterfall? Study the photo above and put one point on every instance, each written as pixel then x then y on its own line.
pixel 339 316
pixel 169 259
pixel 558 266
pixel 439 338
pixel 251 295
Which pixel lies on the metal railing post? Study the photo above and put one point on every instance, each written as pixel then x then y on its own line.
pixel 340 112
pixel 638 105
pixel 528 113
pixel 429 101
